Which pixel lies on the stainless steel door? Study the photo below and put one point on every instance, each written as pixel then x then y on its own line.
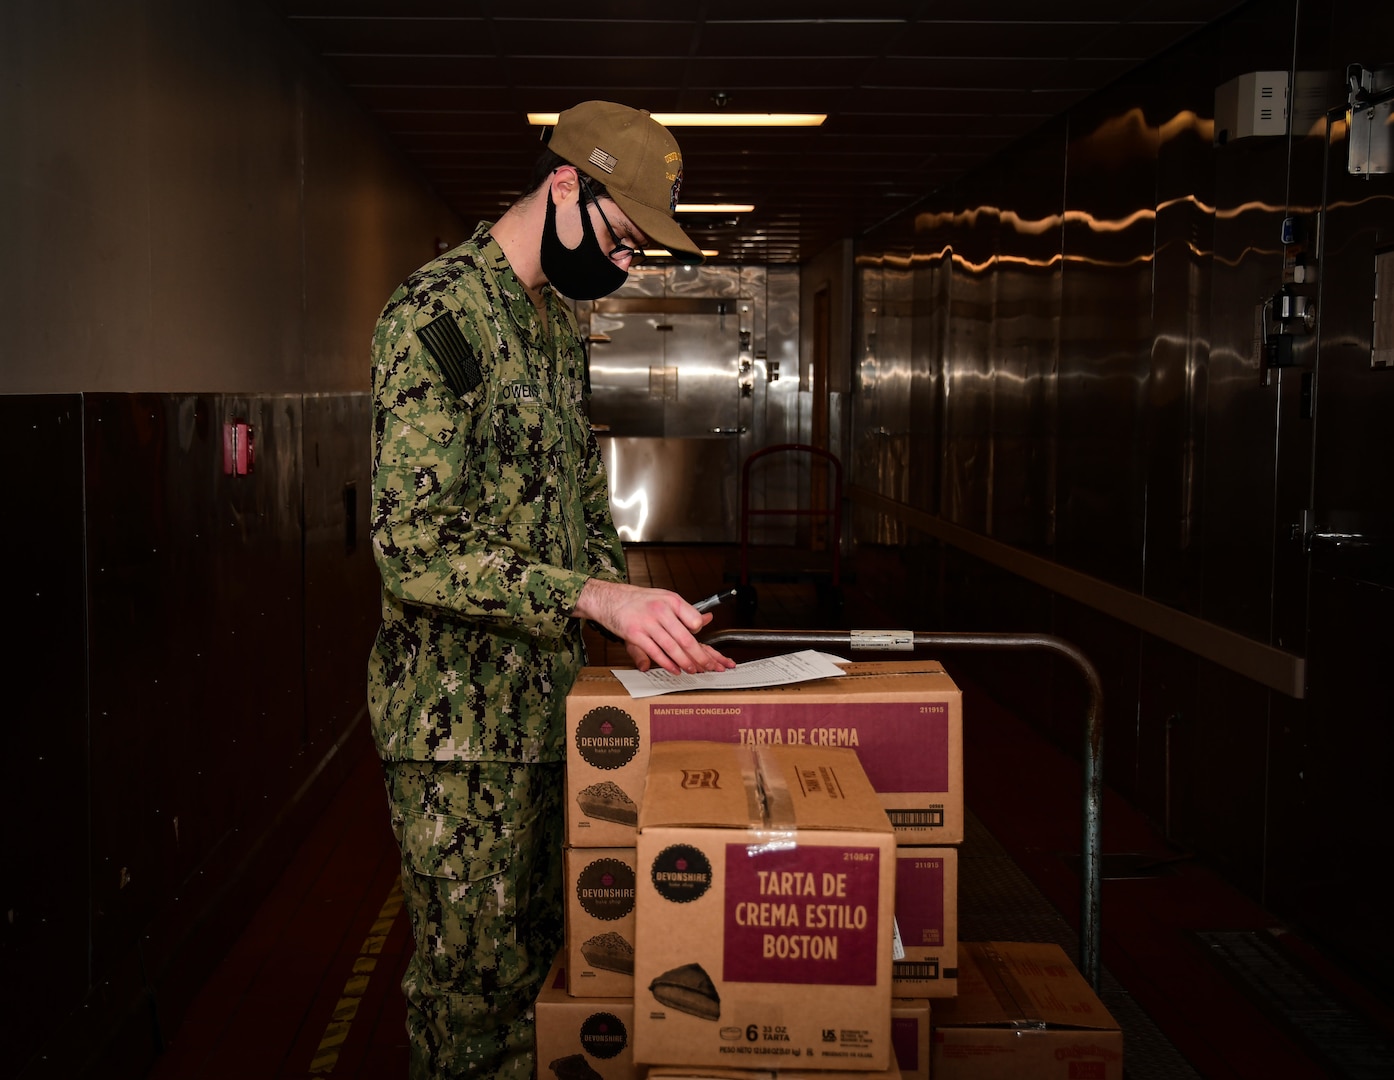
pixel 665 397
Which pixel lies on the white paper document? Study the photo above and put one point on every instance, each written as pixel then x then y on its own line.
pixel 771 671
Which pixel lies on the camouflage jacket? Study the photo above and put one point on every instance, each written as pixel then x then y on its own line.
pixel 490 511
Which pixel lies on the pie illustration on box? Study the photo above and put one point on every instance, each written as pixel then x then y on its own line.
pixel 688 989
pixel 610 952
pixel 574 1067
pixel 608 802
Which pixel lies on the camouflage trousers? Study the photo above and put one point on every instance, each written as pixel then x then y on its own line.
pixel 482 877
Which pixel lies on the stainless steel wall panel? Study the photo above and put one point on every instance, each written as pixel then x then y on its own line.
pixel 1221 542
pixel 864 418
pixel 1025 345
pixel 932 270
pixel 871 442
pixel 1106 307
pixel 1240 459
pixel 893 376
pixel 1177 379
pixel 1353 489
pixel 779 412
pixel 968 362
pixel 786 416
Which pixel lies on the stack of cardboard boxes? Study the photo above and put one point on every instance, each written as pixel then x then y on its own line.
pixel 746 925
pixel 904 722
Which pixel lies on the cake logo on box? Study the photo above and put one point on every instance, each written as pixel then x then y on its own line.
pixel 607 737
pixel 681 873
pixel 606 889
pixel 603 1035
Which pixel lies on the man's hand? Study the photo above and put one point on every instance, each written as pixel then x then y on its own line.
pixel 656 625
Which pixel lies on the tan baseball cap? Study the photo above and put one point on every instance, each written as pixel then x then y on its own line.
pixel 636 159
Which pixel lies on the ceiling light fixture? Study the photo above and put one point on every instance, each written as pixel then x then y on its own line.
pixel 714 208
pixel 664 253
pixel 712 119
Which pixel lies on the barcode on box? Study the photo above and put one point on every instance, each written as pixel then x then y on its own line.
pixel 931 817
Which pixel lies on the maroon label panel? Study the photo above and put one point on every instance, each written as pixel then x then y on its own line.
pixel 919 901
pixel 803 915
pixel 902 745
pixel 905 1039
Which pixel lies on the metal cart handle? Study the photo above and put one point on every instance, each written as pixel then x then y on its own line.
pixel 1091 899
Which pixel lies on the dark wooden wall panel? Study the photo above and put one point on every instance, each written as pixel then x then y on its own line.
pixel 190 689
pixel 341 582
pixel 44 763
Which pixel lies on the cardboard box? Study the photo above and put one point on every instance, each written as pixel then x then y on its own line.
pixel 926 918
pixel 597 1031
pixel 910 1027
pixel 583 1040
pixel 904 719
pixel 766 876
pixel 1023 1012
pixel 600 891
pixel 909 1035
pixel 714 1072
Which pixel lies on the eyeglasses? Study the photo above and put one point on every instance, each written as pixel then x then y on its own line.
pixel 621 250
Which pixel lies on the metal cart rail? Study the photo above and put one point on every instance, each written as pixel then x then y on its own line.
pixel 898 640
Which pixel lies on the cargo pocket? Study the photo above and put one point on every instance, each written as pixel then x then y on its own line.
pixel 524 464
pixel 463 899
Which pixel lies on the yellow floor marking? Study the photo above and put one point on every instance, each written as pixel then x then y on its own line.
pixel 336 1031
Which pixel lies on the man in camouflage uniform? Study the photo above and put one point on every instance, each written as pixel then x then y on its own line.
pixel 492 533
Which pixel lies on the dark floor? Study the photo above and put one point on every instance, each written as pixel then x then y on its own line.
pixel 1203 982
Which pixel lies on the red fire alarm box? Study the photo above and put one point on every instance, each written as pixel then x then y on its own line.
pixel 238 453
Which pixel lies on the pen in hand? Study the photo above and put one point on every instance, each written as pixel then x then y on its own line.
pixel 711 601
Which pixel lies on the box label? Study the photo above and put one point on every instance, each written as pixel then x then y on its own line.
pixel 804 914
pixel 605 889
pixel 919 907
pixel 603 1035
pixel 607 737
pixel 681 873
pixel 905 1040
pixel 902 745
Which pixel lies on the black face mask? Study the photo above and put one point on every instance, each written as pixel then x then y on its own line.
pixel 584 272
